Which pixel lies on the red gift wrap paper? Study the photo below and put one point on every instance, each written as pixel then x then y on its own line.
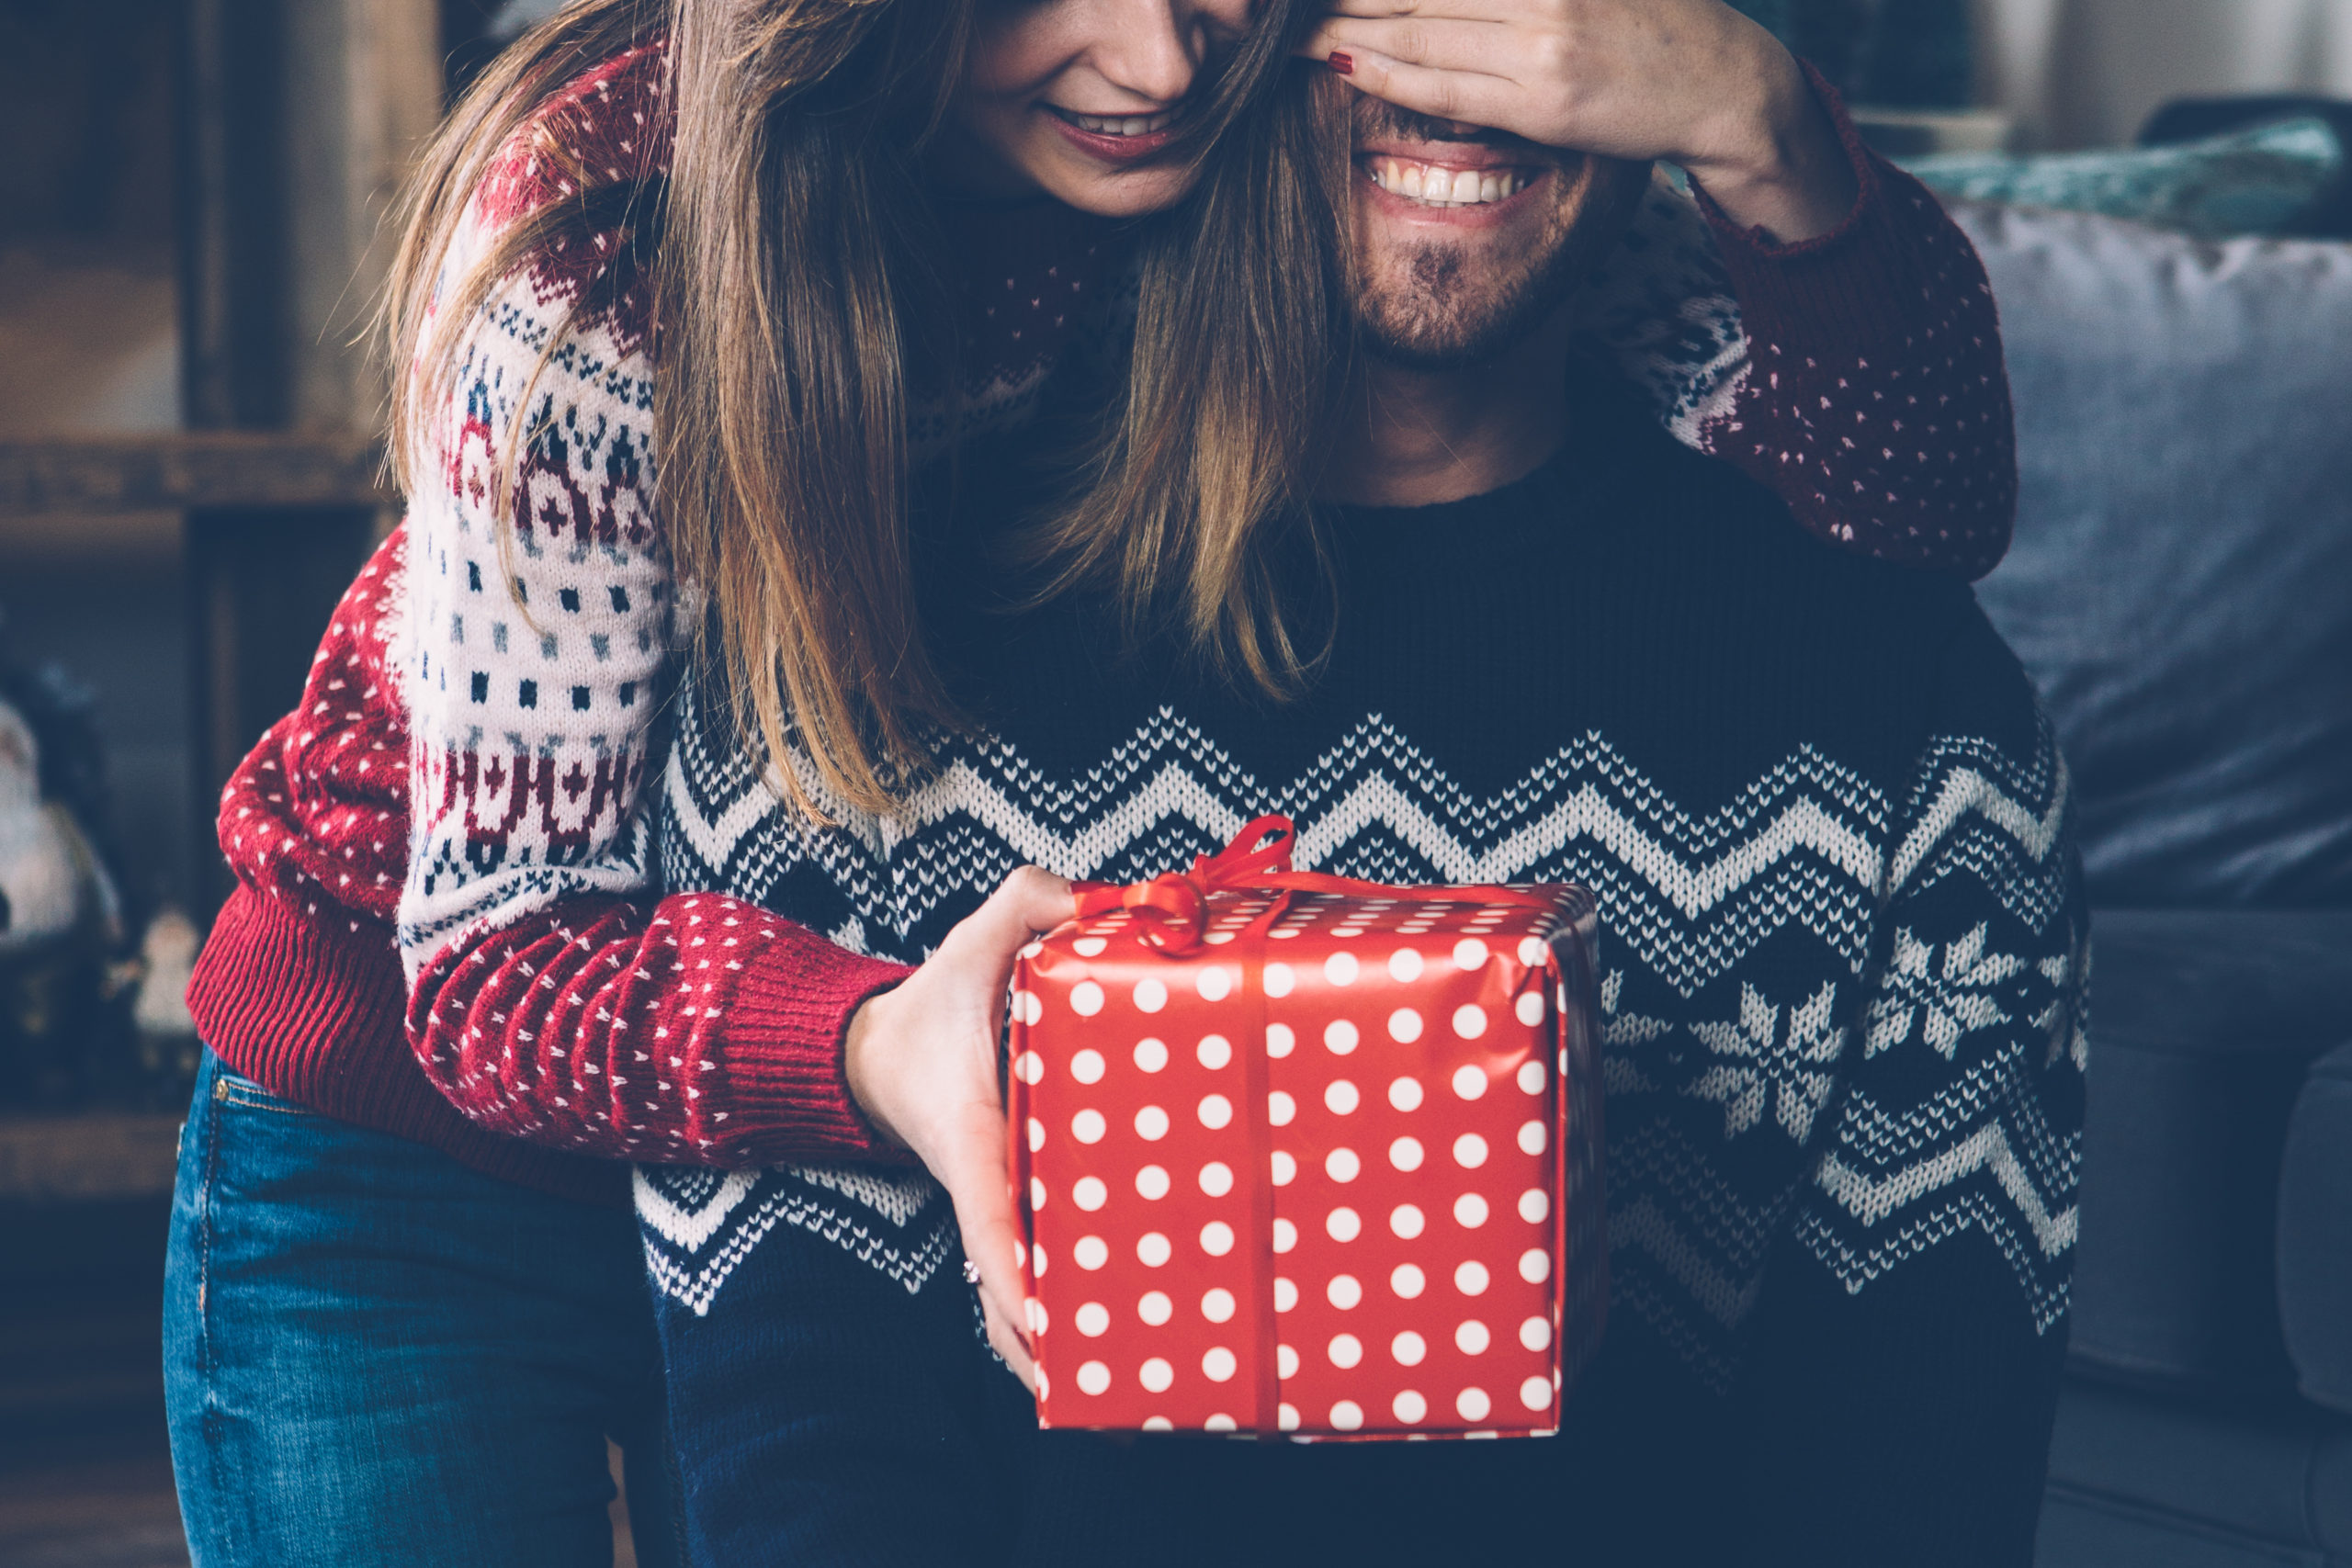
pixel 1335 1170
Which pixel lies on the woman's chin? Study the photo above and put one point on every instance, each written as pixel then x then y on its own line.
pixel 1091 186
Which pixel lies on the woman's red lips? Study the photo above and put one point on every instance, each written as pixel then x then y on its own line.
pixel 1109 147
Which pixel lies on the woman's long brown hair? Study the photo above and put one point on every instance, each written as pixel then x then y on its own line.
pixel 1243 344
pixel 798 277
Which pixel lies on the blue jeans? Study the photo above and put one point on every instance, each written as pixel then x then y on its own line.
pixel 373 1355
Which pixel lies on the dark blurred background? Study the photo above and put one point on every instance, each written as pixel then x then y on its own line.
pixel 190 192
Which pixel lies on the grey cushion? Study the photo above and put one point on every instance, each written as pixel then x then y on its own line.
pixel 2316 1233
pixel 2204 1027
pixel 2181 583
pixel 2143 1482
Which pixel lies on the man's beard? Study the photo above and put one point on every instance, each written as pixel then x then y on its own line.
pixel 1437 319
pixel 1443 314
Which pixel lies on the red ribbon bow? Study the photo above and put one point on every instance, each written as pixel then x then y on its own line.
pixel 1171 910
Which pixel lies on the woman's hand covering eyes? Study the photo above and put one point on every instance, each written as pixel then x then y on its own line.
pixel 1687 82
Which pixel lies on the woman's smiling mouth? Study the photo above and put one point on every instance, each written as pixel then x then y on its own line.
pixel 1114 138
pixel 1114 124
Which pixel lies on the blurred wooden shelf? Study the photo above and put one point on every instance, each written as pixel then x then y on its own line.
pixel 81 1155
pixel 175 472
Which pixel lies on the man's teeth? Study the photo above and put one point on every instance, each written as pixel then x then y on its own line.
pixel 1120 125
pixel 1429 184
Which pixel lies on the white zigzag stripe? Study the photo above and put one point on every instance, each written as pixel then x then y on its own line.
pixel 1705 1349
pixel 1657 1156
pixel 1695 882
pixel 1883 1134
pixel 714 838
pixel 1693 885
pixel 1964 790
pixel 1643 1224
pixel 896 1198
pixel 695 1282
pixel 1376 743
pixel 1974 1210
pixel 1693 888
pixel 1870 1201
pixel 980 793
pixel 689 1229
pixel 1993 1090
pixel 1989 856
pixel 696 1288
pixel 1173 792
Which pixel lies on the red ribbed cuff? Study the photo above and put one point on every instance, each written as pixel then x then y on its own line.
pixel 788 1089
pixel 1853 288
pixel 312 1009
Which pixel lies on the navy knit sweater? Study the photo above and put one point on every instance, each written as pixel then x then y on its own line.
pixel 1843 949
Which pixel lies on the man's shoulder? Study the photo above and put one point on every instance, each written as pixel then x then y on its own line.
pixel 1704 524
pixel 1738 607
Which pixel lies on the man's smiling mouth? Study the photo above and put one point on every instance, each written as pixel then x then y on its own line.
pixel 1434 185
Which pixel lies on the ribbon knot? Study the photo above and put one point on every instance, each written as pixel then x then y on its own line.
pixel 1171 910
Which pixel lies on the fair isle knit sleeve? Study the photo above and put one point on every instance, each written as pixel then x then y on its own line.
pixel 1858 374
pixel 1906 1344
pixel 551 997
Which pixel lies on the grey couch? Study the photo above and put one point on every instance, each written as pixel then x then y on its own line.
pixel 2181 589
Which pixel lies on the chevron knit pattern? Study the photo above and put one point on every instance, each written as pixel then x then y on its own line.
pixel 1808 850
pixel 699 1224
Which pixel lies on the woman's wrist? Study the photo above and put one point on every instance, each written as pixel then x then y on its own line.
pixel 860 1044
pixel 1780 167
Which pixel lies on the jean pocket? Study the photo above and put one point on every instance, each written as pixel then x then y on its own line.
pixel 236 1088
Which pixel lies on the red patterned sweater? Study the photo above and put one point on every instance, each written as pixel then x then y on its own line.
pixel 561 1016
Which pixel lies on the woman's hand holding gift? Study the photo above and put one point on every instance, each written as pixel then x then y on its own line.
pixel 1689 82
pixel 922 1063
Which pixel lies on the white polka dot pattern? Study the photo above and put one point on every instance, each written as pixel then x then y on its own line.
pixel 1422 1182
pixel 1900 444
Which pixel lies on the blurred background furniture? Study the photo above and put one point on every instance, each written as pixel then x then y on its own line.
pixel 188 479
pixel 2181 589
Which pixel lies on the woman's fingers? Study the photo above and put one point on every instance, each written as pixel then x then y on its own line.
pixel 923 1062
pixel 916 1056
pixel 1001 1341
pixel 1443 10
pixel 1487 48
pixel 1471 96
pixel 1028 901
pixel 973 1171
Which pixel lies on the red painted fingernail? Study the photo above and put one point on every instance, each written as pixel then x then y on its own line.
pixel 1344 64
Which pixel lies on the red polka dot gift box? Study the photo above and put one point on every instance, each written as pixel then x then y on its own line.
pixel 1299 1153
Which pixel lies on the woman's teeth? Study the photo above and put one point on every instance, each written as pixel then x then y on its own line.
pixel 1118 125
pixel 1428 185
